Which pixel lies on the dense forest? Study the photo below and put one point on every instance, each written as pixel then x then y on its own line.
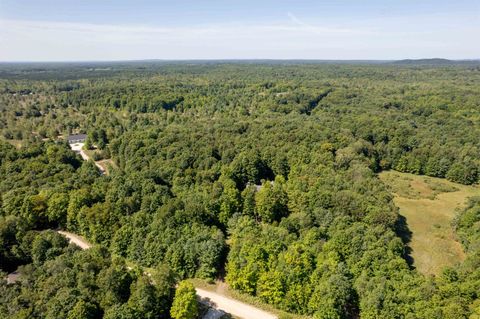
pixel 264 173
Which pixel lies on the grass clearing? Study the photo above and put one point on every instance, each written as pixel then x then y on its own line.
pixel 429 205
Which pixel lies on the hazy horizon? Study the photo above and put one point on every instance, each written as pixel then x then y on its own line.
pixel 88 31
pixel 153 60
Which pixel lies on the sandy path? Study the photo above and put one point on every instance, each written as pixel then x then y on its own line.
pixel 234 307
pixel 78 148
pixel 86 158
pixel 231 306
pixel 84 155
pixel 77 240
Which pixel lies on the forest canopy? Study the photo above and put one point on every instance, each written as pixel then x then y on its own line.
pixel 263 172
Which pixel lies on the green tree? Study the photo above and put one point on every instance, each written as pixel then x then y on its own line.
pixel 271 200
pixel 114 283
pixel 83 310
pixel 88 143
pixel 185 302
pixel 120 311
pixel 464 172
pixel 229 200
pixel 270 288
pixel 34 210
pixel 332 298
pixel 248 200
pixel 57 208
pixel 143 299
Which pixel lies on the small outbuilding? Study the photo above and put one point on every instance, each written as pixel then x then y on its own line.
pixel 76 138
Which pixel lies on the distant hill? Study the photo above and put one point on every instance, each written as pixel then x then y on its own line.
pixel 434 61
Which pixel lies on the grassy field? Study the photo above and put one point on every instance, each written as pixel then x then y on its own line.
pixel 429 206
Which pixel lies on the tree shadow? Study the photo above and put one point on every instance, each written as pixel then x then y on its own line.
pixel 208 310
pixel 402 230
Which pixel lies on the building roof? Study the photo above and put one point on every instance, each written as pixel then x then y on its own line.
pixel 76 137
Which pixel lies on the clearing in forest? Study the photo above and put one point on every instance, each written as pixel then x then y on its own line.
pixel 429 206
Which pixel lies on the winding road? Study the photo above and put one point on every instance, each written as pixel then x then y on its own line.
pixel 234 307
pixel 219 302
pixel 75 239
pixel 78 148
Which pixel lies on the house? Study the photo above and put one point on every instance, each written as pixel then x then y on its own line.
pixel 76 138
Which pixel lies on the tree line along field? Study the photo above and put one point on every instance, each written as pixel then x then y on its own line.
pixel 266 173
pixel 430 206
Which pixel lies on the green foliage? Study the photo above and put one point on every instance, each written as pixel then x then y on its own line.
pixel 465 172
pixel 468 225
pixel 230 201
pixel 83 310
pixel 271 200
pixel 279 159
pixel 143 299
pixel 115 282
pixel 34 210
pixel 57 208
pixel 11 233
pixel 185 302
pixel 190 249
pixel 63 282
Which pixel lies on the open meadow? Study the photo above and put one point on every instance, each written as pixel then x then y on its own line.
pixel 429 206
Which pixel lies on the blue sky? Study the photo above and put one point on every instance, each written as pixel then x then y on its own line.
pixel 67 30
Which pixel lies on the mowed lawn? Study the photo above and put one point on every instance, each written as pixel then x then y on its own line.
pixel 429 206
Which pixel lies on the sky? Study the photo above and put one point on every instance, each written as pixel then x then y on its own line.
pixel 102 30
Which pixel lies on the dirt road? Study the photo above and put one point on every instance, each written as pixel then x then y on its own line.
pixel 231 306
pixel 78 148
pixel 77 240
pixel 234 307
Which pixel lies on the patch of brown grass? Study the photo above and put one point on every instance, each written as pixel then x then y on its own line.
pixel 429 206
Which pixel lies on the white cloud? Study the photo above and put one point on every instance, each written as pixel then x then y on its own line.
pixel 49 40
